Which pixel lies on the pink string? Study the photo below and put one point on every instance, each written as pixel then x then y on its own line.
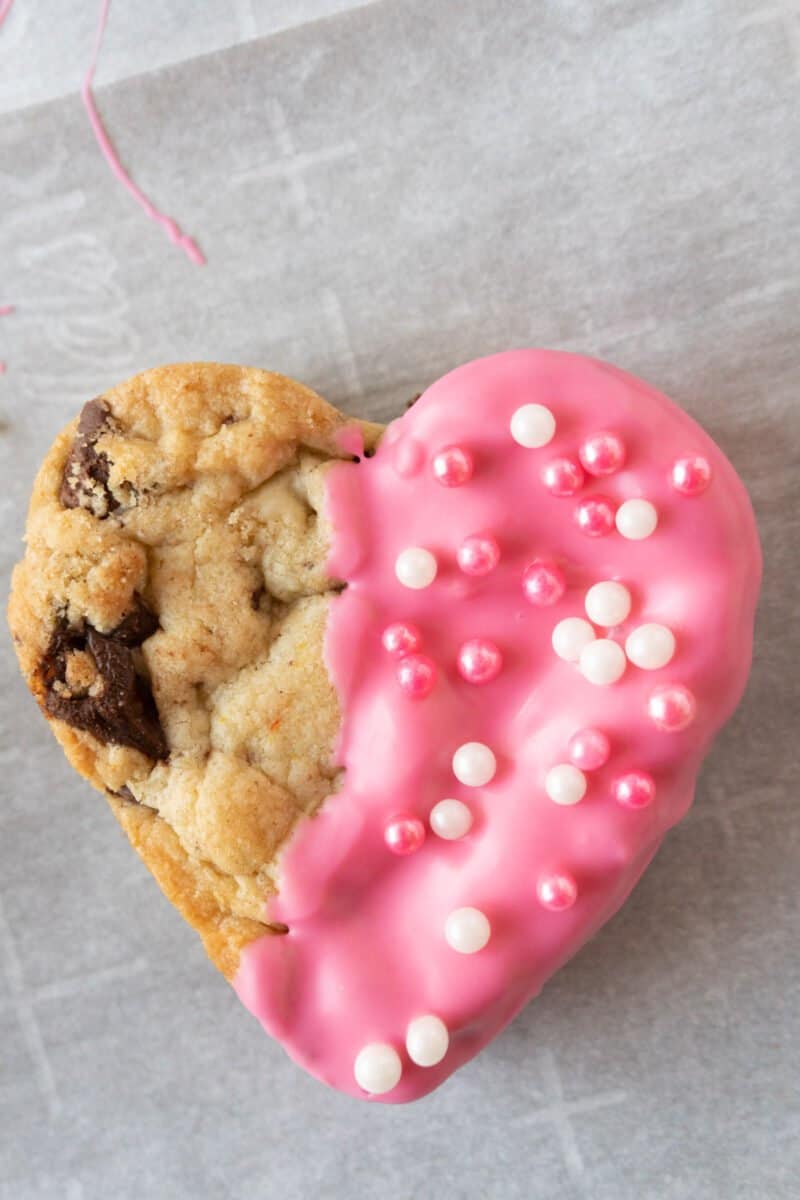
pixel 171 228
pixel 5 9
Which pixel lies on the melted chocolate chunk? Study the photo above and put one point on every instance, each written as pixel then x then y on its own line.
pixel 137 625
pixel 85 480
pixel 118 705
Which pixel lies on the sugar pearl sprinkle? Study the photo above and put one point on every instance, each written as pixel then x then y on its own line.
pixel 557 892
pixel 416 674
pixel 571 636
pixel 453 466
pixel 635 789
pixel 533 426
pixel 691 475
pixel 602 662
pixel 595 516
pixel 565 784
pixel 404 834
pixel 474 764
pixel 636 519
pixel 467 930
pixel 602 453
pixel 451 819
pixel 650 646
pixel 427 1041
pixel 672 708
pixel 478 554
pixel 589 749
pixel 479 661
pixel 494 780
pixel 608 603
pixel 401 638
pixel 543 583
pixel 416 568
pixel 378 1068
pixel 563 477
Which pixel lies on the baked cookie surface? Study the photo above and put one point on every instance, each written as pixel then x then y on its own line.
pixel 169 615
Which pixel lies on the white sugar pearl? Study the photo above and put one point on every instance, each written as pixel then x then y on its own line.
pixel 570 636
pixel 377 1068
pixel 636 519
pixel 427 1041
pixel 467 930
pixel 602 662
pixel 565 784
pixel 608 603
pixel 415 568
pixel 474 764
pixel 650 647
pixel 533 426
pixel 450 819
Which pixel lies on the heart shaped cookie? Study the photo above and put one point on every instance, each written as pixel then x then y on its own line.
pixel 392 809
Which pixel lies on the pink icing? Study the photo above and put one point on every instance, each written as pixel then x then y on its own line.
pixel 5 9
pixel 170 227
pixel 366 951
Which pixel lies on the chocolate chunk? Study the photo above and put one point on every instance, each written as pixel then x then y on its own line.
pixel 410 403
pixel 137 625
pixel 85 480
pixel 118 706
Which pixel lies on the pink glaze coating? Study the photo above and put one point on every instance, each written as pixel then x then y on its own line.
pixel 366 952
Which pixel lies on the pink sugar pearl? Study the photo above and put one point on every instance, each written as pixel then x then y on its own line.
pixel 453 466
pixel 478 554
pixel 543 583
pixel 691 476
pixel 595 516
pixel 672 707
pixel 404 833
pixel 401 638
pixel 416 674
pixel 602 453
pixel 479 661
pixel 634 789
pixel 563 477
pixel 557 892
pixel 588 749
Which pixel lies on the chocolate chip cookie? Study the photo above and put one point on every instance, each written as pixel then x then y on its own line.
pixel 168 617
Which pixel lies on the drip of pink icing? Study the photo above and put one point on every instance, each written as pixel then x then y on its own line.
pixel 366 951
pixel 5 9
pixel 171 228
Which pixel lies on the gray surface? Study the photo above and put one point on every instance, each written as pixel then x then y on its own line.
pixel 382 196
